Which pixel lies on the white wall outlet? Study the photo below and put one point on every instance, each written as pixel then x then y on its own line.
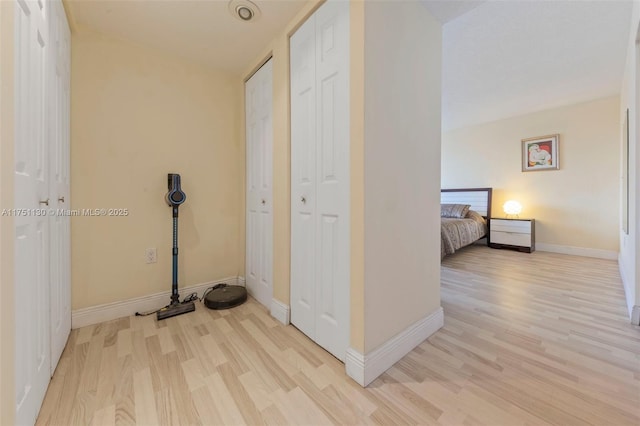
pixel 151 255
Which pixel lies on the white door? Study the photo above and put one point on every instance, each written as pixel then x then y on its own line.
pixel 259 221
pixel 59 182
pixel 32 352
pixel 320 196
pixel 303 177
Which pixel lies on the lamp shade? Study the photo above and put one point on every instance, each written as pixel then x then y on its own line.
pixel 512 207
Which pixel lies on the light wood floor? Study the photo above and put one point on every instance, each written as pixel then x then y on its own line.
pixel 530 339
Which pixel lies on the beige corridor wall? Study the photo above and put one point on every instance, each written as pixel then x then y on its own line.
pixel 576 206
pixel 7 323
pixel 138 114
pixel 402 92
pixel 357 108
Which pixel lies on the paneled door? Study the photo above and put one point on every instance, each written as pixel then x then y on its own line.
pixel 32 292
pixel 320 196
pixel 59 139
pixel 259 219
pixel 303 177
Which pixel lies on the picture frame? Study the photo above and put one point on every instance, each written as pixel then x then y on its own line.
pixel 540 153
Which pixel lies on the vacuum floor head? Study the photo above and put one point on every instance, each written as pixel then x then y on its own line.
pixel 225 296
pixel 176 309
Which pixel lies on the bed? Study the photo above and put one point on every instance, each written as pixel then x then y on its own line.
pixel 464 218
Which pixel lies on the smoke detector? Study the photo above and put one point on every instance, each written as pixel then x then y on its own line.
pixel 244 10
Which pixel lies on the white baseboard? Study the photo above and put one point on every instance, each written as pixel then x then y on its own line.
pixel 578 251
pixel 366 368
pixel 280 311
pixel 110 311
pixel 242 281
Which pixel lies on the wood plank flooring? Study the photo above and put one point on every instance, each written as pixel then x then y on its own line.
pixel 529 339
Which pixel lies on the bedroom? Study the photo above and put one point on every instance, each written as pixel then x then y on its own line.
pixel 533 89
pixel 145 92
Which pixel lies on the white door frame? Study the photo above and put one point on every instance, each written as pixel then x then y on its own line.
pixel 59 162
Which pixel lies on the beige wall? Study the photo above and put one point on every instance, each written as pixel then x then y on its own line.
pixel 137 115
pixel 357 129
pixel 575 206
pixel 630 98
pixel 7 327
pixel 401 167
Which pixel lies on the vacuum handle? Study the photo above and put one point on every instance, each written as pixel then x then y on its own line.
pixel 175 196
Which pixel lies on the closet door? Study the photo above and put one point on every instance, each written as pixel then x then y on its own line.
pixel 320 197
pixel 60 235
pixel 32 351
pixel 303 177
pixel 333 200
pixel 259 137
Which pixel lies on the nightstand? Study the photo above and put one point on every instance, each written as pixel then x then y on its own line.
pixel 517 234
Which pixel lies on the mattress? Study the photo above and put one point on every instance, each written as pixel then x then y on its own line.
pixel 458 233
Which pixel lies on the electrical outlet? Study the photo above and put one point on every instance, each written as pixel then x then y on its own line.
pixel 151 255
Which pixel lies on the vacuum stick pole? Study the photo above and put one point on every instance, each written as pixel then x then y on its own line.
pixel 174 198
pixel 175 297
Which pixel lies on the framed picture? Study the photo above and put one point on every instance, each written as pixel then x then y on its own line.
pixel 540 153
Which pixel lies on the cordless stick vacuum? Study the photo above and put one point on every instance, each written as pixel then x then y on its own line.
pixel 174 198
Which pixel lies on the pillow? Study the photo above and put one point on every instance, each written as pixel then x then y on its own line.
pixel 472 214
pixel 458 211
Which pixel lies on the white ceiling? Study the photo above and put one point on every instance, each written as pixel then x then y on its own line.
pixel 506 58
pixel 198 30
pixel 500 58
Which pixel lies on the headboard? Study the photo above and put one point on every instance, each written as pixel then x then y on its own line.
pixel 478 198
